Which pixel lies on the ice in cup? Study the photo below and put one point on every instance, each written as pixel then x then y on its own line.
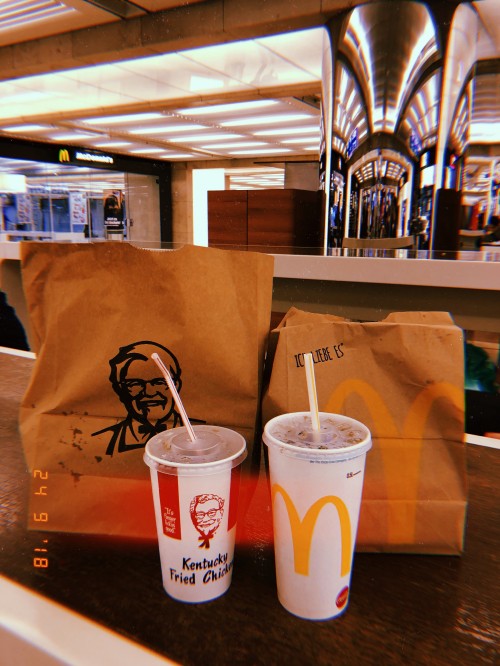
pixel 195 493
pixel 316 487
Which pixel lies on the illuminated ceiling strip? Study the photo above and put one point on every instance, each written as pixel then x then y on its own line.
pixel 424 47
pixel 26 128
pixel 264 120
pixel 290 130
pixel 128 118
pixel 144 151
pixel 226 108
pixel 20 16
pixel 232 144
pixel 207 137
pixel 363 41
pixel 270 151
pixel 112 144
pixel 165 129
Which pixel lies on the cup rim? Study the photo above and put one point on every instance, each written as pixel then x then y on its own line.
pixel 171 467
pixel 320 454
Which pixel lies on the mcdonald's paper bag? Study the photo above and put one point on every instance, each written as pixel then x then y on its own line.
pixel 98 311
pixel 404 378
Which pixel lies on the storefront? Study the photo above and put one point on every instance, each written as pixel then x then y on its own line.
pixel 54 192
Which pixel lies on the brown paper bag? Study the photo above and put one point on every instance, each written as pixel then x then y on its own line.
pixel 98 311
pixel 404 378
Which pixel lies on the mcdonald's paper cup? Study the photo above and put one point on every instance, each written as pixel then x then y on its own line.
pixel 195 494
pixel 316 487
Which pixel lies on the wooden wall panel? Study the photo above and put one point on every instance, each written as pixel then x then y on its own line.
pixel 287 221
pixel 227 218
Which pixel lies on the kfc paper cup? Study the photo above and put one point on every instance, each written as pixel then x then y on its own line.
pixel 195 492
pixel 316 487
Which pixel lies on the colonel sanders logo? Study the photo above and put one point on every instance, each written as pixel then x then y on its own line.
pixel 206 513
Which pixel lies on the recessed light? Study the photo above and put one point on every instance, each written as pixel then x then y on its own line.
pixel 172 156
pixel 71 136
pixel 165 129
pixel 225 108
pixel 305 139
pixel 264 120
pixel 266 151
pixel 25 128
pixel 290 130
pixel 240 144
pixel 148 151
pixel 112 144
pixel 129 118
pixel 206 137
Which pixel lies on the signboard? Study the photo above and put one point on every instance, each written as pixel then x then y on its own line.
pixel 74 156
pixel 113 208
pixel 415 143
pixel 352 144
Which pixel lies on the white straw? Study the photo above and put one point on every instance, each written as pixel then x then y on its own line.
pixel 177 398
pixel 311 390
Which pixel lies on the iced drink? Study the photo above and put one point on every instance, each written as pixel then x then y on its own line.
pixel 316 487
pixel 195 493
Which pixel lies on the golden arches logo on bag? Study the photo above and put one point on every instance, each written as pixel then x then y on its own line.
pixel 418 413
pixel 303 530
pixel 401 471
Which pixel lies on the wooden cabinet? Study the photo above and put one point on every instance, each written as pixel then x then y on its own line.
pixel 281 221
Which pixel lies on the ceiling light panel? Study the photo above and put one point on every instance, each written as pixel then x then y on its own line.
pixel 115 79
pixel 228 109
pixel 22 13
pixel 159 130
pixel 53 93
pixel 232 144
pixel 70 136
pixel 174 74
pixel 261 151
pixel 200 138
pixel 250 62
pixel 23 129
pixel 112 144
pixel 278 118
pixel 304 49
pixel 313 129
pixel 126 119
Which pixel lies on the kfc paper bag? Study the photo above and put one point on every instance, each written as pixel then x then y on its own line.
pixel 98 312
pixel 404 378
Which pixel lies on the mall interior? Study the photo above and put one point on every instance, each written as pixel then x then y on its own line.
pixel 356 143
pixel 334 135
pixel 387 111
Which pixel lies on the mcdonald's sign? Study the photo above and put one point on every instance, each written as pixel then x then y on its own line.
pixel 303 530
pixel 64 155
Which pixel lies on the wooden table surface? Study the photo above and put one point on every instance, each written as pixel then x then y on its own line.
pixel 404 609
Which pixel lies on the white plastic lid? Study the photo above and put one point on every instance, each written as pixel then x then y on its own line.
pixel 340 437
pixel 214 445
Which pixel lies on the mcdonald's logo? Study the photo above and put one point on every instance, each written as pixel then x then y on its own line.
pixel 400 450
pixel 303 530
pixel 63 155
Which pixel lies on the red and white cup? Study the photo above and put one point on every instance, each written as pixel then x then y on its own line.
pixel 195 493
pixel 316 488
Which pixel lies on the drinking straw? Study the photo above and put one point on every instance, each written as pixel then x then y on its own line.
pixel 311 390
pixel 174 392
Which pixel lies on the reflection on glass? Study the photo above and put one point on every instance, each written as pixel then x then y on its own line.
pixel 414 142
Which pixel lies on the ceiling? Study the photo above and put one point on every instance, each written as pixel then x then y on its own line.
pixel 163 107
pixel 153 107
pixel 254 100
